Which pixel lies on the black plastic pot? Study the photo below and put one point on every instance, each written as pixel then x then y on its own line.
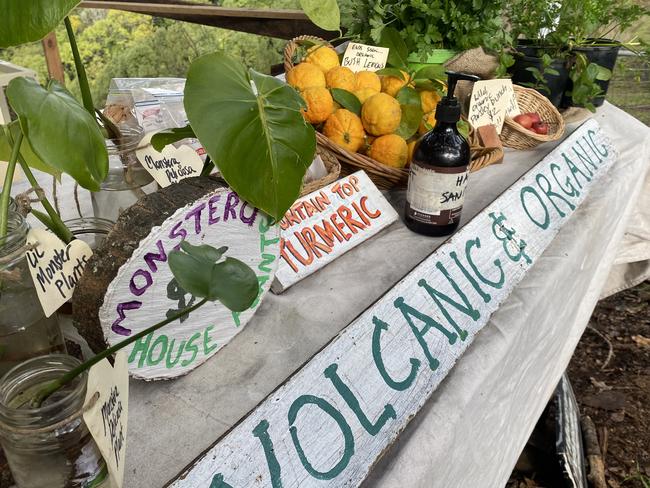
pixel 604 56
pixel 556 84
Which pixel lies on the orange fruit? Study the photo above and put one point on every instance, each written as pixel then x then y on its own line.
pixel 340 77
pixel 381 114
pixel 369 80
pixel 305 75
pixel 392 84
pixel 320 104
pixel 323 57
pixel 345 129
pixel 429 100
pixel 427 123
pixel 390 150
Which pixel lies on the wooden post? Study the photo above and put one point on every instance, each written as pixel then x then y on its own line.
pixel 53 58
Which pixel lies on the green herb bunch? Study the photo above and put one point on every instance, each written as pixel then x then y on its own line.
pixel 428 25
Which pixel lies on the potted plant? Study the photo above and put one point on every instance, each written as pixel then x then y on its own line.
pixel 433 31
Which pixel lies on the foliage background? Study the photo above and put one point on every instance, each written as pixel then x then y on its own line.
pixel 114 44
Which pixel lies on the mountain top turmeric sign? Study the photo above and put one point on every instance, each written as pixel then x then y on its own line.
pixel 323 225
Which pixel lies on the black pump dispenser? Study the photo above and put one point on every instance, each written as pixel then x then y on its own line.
pixel 439 170
pixel 448 109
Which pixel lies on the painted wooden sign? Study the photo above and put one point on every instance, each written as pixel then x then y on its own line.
pixel 130 286
pixel 323 225
pixel 331 421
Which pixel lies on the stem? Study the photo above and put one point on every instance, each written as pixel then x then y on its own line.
pixel 81 72
pixel 59 228
pixel 208 166
pixel 6 187
pixel 54 385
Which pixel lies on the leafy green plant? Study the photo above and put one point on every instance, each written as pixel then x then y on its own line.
pixel 324 13
pixel 425 26
pixel 584 75
pixel 200 271
pixel 540 75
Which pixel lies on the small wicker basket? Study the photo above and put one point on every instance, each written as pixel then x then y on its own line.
pixel 333 168
pixel 383 176
pixel 517 137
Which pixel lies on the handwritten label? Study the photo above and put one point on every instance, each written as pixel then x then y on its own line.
pixel 491 102
pixel 55 267
pixel 171 165
pixel 323 225
pixel 107 418
pixel 361 57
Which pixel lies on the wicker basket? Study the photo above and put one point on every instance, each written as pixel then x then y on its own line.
pixel 333 168
pixel 517 137
pixel 383 176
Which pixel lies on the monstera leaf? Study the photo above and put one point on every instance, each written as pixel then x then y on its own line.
pixel 60 131
pixel 24 21
pixel 26 152
pixel 251 126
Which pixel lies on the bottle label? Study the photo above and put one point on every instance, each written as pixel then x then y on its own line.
pixel 435 195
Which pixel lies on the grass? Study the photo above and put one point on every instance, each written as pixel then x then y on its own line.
pixel 629 88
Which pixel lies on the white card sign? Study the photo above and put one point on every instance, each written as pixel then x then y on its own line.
pixel 361 57
pixel 108 414
pixel 336 416
pixel 491 102
pixel 55 267
pixel 171 164
pixel 323 225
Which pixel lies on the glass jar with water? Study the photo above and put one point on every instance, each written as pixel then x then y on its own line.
pixel 25 332
pixel 127 179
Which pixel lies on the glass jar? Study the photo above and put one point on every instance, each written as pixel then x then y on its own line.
pixel 48 446
pixel 127 180
pixel 91 230
pixel 25 332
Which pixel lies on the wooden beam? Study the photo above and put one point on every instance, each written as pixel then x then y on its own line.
pixel 284 24
pixel 53 58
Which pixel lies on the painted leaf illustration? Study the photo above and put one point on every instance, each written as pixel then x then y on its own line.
pixel 251 126
pixel 60 131
pixel 24 21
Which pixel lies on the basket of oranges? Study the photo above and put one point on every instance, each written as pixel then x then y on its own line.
pixel 370 121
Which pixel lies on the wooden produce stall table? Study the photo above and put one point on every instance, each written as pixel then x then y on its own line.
pixel 471 431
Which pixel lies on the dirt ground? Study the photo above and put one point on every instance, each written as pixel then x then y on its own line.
pixel 610 374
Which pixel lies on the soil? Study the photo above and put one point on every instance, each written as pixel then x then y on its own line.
pixel 610 374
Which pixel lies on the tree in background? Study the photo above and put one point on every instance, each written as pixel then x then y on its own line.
pixel 116 44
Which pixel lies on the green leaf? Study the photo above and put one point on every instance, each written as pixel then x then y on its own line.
pixel 347 100
pixel 463 127
pixel 431 72
pixel 170 136
pixel 398 52
pixel 324 13
pixel 204 251
pixel 411 117
pixel 252 128
pixel 235 284
pixel 391 72
pixel 26 152
pixel 408 96
pixel 604 74
pixel 30 20
pixel 60 131
pixel 231 281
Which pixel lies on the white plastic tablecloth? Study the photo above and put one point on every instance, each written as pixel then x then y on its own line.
pixel 470 433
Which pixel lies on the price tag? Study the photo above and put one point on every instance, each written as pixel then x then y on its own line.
pixel 491 102
pixel 361 57
pixel 172 164
pixel 55 267
pixel 107 418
